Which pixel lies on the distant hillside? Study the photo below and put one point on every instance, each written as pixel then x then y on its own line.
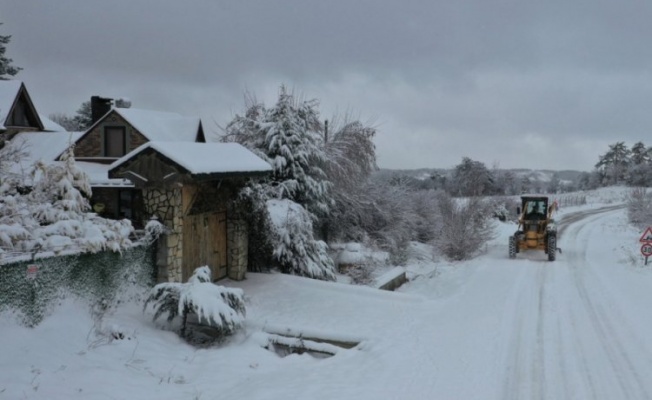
pixel 543 175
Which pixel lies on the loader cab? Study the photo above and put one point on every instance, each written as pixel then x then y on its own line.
pixel 533 208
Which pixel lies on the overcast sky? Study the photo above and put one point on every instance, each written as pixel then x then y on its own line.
pixel 546 84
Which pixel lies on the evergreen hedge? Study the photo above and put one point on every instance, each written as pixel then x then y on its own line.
pixel 99 278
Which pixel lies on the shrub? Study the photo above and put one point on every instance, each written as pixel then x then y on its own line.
pixel 465 227
pixel 216 306
pixel 639 207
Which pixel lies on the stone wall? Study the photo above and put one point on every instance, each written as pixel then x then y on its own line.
pixel 92 144
pixel 237 248
pixel 165 204
pixel 168 206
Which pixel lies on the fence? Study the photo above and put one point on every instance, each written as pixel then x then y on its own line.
pixel 33 288
pixel 569 200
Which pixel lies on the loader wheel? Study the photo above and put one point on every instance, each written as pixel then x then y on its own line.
pixel 512 247
pixel 552 247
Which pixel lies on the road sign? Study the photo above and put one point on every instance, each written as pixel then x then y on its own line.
pixel 646 249
pixel 647 236
pixel 32 271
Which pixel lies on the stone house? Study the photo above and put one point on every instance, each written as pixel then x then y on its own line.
pixel 115 132
pixel 144 164
pixel 190 187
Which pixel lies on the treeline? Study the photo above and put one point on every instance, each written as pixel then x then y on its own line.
pixel 473 178
pixel 621 165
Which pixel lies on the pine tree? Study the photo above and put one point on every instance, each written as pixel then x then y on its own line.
pixel 295 249
pixel 289 137
pixel 293 141
pixel 81 121
pixel 7 70
pixel 640 154
pixel 614 164
pixel 640 168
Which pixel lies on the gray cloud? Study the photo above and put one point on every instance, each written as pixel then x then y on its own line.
pixel 535 85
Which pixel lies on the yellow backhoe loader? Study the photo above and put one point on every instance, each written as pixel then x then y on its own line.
pixel 536 227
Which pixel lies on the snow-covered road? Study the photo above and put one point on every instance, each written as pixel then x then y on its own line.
pixel 570 337
pixel 531 329
pixel 490 328
pixel 495 328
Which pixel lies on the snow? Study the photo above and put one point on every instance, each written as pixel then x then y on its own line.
pixel 204 158
pixel 161 125
pixel 50 125
pixel 47 146
pixel 488 328
pixel 98 175
pixel 42 146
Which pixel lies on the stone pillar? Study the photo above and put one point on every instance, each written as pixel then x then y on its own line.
pixel 237 249
pixel 165 203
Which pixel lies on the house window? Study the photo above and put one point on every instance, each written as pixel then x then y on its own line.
pixel 115 141
pixel 130 206
pixel 125 204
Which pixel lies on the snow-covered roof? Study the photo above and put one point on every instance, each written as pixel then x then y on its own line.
pixel 47 146
pixel 50 125
pixel 204 158
pixel 98 175
pixel 159 125
pixel 8 92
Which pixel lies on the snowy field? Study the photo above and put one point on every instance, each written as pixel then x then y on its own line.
pixel 490 328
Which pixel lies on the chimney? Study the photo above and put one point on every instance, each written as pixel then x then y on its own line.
pixel 99 107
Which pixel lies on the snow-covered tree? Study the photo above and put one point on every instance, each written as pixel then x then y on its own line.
pixel 295 249
pixel 7 69
pixel 554 185
pixel 289 137
pixel 391 220
pixel 472 178
pixel 217 306
pixel 351 158
pixel 49 211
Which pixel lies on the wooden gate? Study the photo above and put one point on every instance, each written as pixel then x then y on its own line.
pixel 204 243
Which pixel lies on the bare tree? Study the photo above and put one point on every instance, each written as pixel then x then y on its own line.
pixel 465 227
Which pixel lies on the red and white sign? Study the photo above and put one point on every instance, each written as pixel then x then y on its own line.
pixel 646 249
pixel 32 271
pixel 647 236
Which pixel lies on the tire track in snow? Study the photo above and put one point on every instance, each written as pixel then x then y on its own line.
pixel 526 370
pixel 538 322
pixel 618 344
